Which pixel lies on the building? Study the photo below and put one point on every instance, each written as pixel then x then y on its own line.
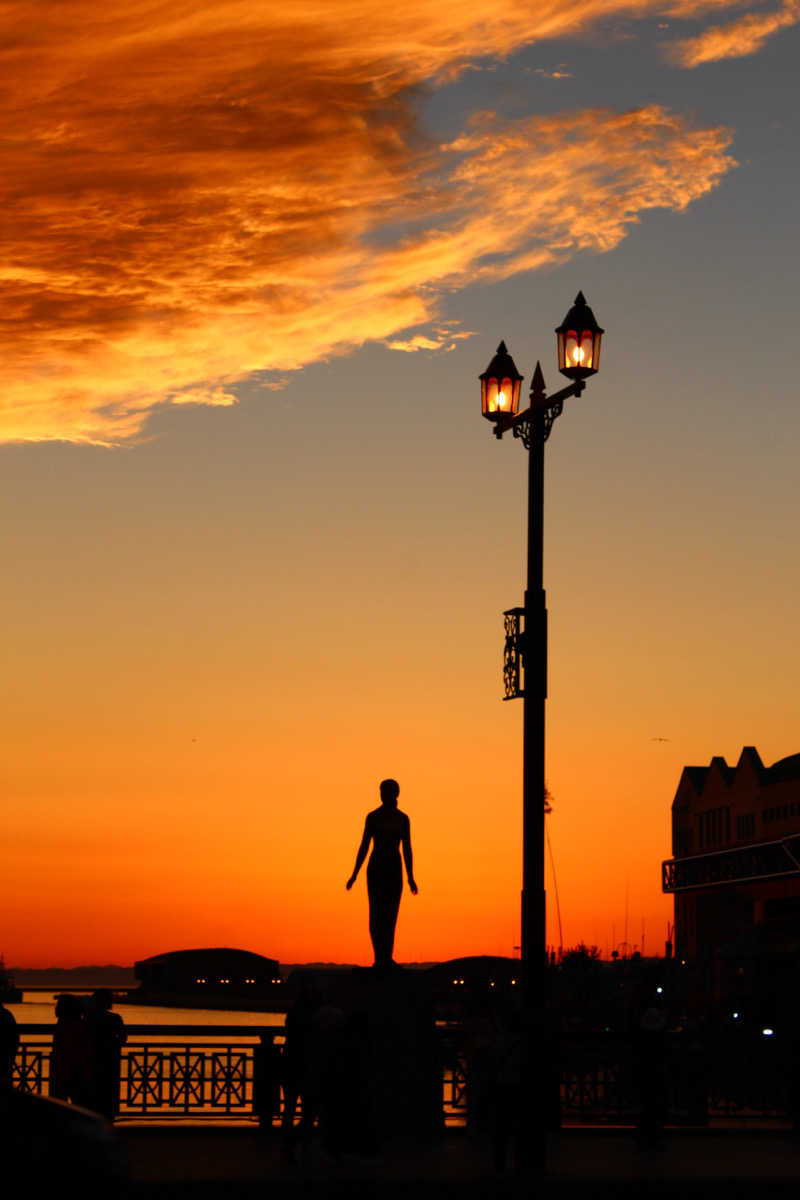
pixel 212 977
pixel 735 878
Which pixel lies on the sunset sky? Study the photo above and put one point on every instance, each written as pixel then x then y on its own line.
pixel 258 539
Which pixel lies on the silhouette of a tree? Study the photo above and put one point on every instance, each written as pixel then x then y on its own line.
pixel 581 957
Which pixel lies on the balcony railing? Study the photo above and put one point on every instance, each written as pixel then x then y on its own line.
pixel 761 860
pixel 233 1073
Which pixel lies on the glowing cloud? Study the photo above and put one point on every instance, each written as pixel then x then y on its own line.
pixel 739 38
pixel 192 194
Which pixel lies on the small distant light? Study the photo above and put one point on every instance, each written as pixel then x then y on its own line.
pixel 767 1032
pixel 735 1016
pixel 491 983
pixel 513 981
pixel 659 990
pixel 455 981
pixel 683 962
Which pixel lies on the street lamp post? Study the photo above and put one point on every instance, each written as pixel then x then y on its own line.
pixel 525 660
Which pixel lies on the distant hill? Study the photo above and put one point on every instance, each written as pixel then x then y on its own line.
pixel 114 976
pixel 109 975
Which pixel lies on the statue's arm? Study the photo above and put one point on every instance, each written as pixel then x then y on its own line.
pixel 408 857
pixel 362 854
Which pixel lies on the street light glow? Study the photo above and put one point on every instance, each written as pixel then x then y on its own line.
pixel 578 340
pixel 500 384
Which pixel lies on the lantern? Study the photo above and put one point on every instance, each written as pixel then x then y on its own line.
pixel 579 338
pixel 500 386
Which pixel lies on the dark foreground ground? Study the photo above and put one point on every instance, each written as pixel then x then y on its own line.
pixel 198 1163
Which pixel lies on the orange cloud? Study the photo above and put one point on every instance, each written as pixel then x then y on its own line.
pixel 739 38
pixel 195 193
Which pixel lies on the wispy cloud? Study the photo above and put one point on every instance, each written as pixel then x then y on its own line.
pixel 558 73
pixel 196 192
pixel 444 337
pixel 745 36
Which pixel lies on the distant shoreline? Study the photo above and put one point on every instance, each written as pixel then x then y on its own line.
pixel 124 978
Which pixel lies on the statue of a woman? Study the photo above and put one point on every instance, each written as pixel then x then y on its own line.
pixel 388 829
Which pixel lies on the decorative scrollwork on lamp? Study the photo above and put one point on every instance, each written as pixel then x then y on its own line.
pixel 513 653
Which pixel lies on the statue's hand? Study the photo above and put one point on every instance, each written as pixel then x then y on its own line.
pixel 413 886
pixel 350 882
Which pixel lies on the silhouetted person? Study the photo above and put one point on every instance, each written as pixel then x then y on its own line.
pixel 507 1055
pixel 295 1061
pixel 650 1067
pixel 9 1040
pixel 71 1074
pixel 322 1081
pixel 106 1035
pixel 388 829
pixel 266 1080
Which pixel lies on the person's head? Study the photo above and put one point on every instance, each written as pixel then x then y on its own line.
pixel 103 999
pixel 390 790
pixel 68 1007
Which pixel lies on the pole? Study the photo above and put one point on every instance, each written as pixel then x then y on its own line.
pixel 533 785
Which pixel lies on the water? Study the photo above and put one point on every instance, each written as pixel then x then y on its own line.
pixel 38 1008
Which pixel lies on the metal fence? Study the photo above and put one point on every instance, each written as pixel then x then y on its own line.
pixel 169 1072
pixel 223 1073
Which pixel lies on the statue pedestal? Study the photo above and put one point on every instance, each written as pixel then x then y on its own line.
pixel 405 1071
pixel 389 1059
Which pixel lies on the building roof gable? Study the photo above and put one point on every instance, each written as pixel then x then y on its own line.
pixel 699 783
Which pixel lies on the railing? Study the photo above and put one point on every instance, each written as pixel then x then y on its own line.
pixel 216 1072
pixel 760 860
pixel 223 1073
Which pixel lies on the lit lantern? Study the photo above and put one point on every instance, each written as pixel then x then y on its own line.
pixel 579 338
pixel 500 386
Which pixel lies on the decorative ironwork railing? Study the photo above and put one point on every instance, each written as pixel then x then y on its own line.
pixel 216 1072
pixel 167 1075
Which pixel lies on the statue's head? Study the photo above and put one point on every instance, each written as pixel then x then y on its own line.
pixel 390 790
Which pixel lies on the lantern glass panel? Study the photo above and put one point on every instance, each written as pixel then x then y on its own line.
pixel 596 350
pixel 562 352
pixel 500 396
pixel 505 396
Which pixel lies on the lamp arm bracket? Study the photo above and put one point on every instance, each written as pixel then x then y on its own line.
pixel 573 389
pixel 549 406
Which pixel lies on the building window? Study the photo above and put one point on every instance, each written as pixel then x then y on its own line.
pixel 745 826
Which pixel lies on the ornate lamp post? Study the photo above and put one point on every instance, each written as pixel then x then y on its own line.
pixel 525 656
